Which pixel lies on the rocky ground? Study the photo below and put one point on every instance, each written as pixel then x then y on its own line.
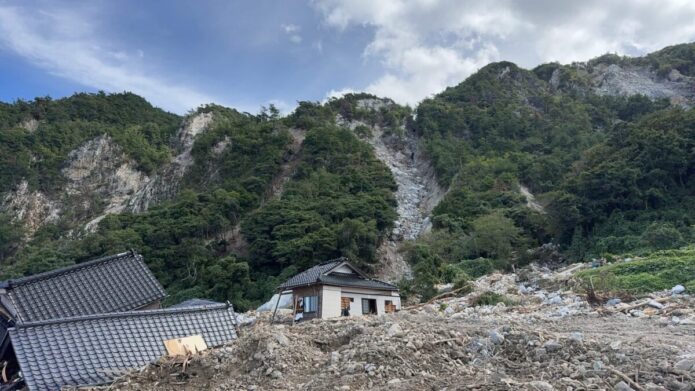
pixel 546 338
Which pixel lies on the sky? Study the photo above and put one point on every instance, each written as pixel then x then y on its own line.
pixel 247 54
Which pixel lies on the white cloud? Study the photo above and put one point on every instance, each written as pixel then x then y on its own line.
pixel 292 30
pixel 338 93
pixel 426 45
pixel 64 44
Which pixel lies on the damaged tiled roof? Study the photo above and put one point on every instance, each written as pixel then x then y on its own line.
pixel 195 302
pixel 349 280
pixel 94 349
pixel 318 274
pixel 311 275
pixel 116 283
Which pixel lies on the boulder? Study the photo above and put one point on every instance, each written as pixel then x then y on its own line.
pixel 678 289
pixel 622 386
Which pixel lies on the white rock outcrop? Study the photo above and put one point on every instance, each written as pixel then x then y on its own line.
pixel 32 208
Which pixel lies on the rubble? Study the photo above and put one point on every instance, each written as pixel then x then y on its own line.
pixel 450 344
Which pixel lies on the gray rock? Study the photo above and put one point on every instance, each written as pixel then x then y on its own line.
pixel 282 339
pixel 622 386
pixel 395 330
pixel 541 386
pixel 496 337
pixel 335 358
pixel 276 374
pixel 539 353
pixel 615 345
pixel 685 365
pixel 576 336
pixel 678 289
pixel 393 381
pixel 614 301
pixel 655 304
pixel 552 346
pixel 598 365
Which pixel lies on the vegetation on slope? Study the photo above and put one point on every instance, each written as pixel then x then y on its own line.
pixel 657 271
pixel 614 173
pixel 37 156
pixel 339 203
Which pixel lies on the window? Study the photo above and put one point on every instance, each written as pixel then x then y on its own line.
pixel 311 303
pixel 368 306
pixel 389 306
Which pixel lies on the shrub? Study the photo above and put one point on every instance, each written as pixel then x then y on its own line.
pixel 492 298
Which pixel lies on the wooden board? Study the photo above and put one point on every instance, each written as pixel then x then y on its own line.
pixel 186 345
pixel 344 303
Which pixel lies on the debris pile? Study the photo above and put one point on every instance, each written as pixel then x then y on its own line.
pixel 545 337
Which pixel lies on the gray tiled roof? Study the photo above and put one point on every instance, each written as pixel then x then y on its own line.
pixel 116 283
pixel 349 280
pixel 318 275
pixel 95 349
pixel 195 302
pixel 311 275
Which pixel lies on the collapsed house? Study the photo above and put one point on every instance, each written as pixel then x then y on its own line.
pixel 95 349
pixel 337 288
pixel 85 324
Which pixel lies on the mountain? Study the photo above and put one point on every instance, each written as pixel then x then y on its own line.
pixel 562 162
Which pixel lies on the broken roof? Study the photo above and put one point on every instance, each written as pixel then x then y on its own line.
pixel 325 273
pixel 194 302
pixel 95 349
pixel 116 283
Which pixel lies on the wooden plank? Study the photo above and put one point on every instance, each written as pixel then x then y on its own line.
pixel 185 346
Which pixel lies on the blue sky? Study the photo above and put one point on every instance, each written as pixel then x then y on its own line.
pixel 244 54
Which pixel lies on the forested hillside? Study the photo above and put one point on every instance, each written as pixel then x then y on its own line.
pixel 562 162
pixel 548 156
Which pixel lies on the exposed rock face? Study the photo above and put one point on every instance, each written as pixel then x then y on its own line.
pixel 99 171
pixel 32 208
pixel 418 191
pixel 102 179
pixel 30 124
pixel 627 80
pixel 531 199
pixel 616 80
pixel 289 164
pixel 165 184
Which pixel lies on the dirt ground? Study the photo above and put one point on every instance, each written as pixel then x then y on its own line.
pixel 549 340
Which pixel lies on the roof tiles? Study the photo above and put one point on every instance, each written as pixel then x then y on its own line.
pixel 94 349
pixel 321 274
pixel 116 283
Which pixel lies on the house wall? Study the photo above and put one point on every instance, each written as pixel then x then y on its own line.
pixel 330 300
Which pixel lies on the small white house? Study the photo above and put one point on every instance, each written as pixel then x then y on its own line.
pixel 337 288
